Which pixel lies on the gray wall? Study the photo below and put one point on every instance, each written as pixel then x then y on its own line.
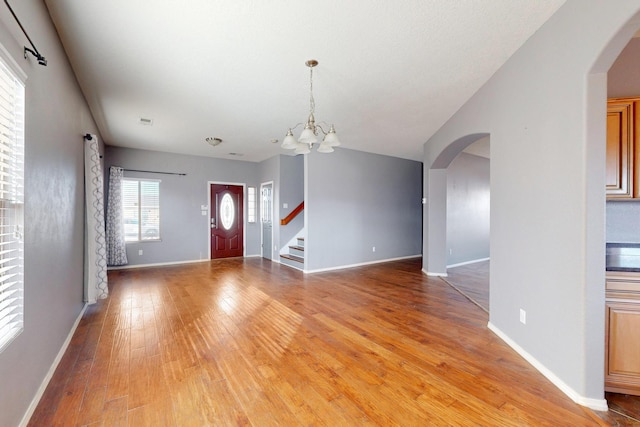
pixel 467 209
pixel 545 112
pixel 184 230
pixel 56 118
pixel 623 80
pixel 356 200
pixel 291 193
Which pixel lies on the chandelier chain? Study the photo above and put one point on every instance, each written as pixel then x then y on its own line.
pixel 312 102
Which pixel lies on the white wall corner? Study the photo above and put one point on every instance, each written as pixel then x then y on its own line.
pixel 595 404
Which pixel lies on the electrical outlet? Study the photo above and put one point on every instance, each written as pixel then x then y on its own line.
pixel 140 252
pixel 373 249
pixel 523 317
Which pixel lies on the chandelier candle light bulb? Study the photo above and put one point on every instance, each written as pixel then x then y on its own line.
pixel 309 135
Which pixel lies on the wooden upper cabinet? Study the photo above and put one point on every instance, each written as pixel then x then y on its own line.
pixel 621 170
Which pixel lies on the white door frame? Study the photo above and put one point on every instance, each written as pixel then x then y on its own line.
pixel 262 185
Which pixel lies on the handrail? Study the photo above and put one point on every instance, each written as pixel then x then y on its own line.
pixel 294 213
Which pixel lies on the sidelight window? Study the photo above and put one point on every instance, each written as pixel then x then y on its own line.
pixel 251 204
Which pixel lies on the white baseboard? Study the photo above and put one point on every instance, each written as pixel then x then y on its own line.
pixel 45 382
pixel 163 264
pixel 473 261
pixel 342 267
pixel 429 273
pixel 595 404
pixel 158 264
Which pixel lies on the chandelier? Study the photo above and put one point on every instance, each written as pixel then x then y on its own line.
pixel 309 135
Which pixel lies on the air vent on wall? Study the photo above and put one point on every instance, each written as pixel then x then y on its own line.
pixel 145 121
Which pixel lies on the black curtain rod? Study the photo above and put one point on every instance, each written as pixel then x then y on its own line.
pixel 88 137
pixel 41 59
pixel 164 173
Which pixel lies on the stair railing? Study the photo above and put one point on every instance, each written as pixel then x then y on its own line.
pixel 294 213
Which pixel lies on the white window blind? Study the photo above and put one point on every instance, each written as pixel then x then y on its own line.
pixel 141 209
pixel 11 204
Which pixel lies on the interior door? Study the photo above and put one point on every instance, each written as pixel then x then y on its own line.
pixel 226 221
pixel 266 216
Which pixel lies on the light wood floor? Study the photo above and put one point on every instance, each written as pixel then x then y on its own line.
pixel 250 342
pixel 472 280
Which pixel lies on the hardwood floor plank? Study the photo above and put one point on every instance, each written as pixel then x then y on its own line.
pixel 69 406
pixel 118 379
pixel 115 413
pixel 92 407
pixel 222 408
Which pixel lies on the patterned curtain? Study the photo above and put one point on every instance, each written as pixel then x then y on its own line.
pixel 116 250
pixel 96 251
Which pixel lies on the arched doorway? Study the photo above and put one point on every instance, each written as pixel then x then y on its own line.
pixel 468 222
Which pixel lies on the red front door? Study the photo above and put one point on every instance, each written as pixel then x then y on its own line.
pixel 226 221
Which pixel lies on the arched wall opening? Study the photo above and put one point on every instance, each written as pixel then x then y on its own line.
pixel 435 263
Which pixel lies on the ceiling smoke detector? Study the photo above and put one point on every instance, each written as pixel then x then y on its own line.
pixel 213 141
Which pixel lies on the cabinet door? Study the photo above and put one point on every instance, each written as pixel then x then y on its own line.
pixel 622 357
pixel 620 150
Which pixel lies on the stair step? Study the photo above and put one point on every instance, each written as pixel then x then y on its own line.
pixel 293 258
pixel 296 251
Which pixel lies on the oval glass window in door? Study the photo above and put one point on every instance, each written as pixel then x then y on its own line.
pixel 227 211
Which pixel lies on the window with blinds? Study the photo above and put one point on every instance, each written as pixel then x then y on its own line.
pixel 11 203
pixel 141 209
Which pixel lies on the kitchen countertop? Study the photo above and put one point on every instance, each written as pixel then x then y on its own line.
pixel 623 257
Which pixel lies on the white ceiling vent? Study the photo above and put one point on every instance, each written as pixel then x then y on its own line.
pixel 145 121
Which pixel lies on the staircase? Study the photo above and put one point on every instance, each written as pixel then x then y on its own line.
pixel 295 257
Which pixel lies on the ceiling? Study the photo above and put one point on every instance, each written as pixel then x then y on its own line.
pixel 390 73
